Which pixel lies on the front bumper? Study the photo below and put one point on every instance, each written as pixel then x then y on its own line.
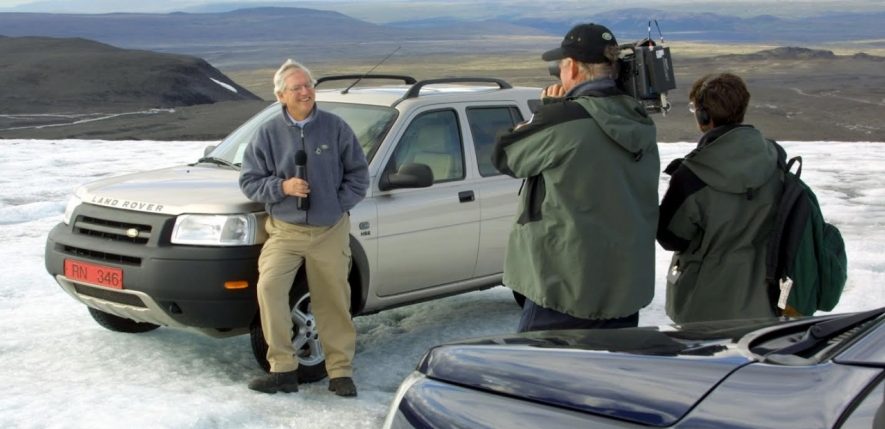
pixel 165 284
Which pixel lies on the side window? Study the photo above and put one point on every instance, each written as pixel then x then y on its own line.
pixel 485 124
pixel 434 139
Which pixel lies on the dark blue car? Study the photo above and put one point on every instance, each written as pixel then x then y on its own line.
pixel 818 372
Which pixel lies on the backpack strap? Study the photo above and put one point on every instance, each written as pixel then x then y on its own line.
pixel 795 160
pixel 786 200
pixel 781 155
pixel 782 162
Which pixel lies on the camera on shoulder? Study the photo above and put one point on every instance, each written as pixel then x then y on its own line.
pixel 646 74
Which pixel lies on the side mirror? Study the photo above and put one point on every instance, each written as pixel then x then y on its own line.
pixel 409 176
pixel 208 149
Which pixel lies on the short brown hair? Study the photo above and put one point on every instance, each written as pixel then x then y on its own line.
pixel 724 97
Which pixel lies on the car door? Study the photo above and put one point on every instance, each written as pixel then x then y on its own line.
pixel 498 192
pixel 428 236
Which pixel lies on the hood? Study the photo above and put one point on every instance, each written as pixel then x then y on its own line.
pixel 200 188
pixel 623 120
pixel 738 160
pixel 651 376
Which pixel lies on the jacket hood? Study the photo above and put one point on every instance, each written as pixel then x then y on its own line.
pixel 623 120
pixel 738 160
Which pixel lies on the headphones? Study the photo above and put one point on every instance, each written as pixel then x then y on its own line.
pixel 700 113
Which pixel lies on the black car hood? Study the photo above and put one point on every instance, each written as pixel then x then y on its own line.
pixel 645 375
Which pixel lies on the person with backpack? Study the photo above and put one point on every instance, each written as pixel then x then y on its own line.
pixel 719 210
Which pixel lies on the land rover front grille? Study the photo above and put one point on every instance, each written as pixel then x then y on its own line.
pixel 101 256
pixel 113 230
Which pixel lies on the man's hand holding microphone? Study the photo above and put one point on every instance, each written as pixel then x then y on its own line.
pixel 296 186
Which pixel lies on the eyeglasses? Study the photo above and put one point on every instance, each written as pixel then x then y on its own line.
pixel 300 88
pixel 691 107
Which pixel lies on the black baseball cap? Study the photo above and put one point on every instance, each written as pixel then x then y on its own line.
pixel 585 43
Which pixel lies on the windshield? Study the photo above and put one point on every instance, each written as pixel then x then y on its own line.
pixel 370 124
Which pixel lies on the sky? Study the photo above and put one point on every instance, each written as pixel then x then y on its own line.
pixel 61 370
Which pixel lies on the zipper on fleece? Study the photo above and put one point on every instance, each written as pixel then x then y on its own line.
pixel 304 148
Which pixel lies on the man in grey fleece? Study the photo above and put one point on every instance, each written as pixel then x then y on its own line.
pixel 316 234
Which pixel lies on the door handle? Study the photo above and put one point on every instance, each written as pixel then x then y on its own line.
pixel 465 196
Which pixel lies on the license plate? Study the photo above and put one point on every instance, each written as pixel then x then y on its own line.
pixel 94 274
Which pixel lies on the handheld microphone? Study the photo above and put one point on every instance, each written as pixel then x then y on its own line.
pixel 302 203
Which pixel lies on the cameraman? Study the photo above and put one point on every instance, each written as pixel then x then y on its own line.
pixel 582 250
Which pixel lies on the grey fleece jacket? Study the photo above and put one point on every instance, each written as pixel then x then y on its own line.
pixel 337 170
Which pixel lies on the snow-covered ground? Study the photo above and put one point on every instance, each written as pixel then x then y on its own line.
pixel 60 369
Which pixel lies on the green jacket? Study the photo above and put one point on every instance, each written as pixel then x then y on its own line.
pixel 583 241
pixel 717 215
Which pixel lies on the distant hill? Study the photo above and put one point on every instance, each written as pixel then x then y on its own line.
pixel 798 53
pixel 41 75
pixel 179 28
pixel 264 37
pixel 451 26
pixel 628 24
pixel 257 37
pixel 276 24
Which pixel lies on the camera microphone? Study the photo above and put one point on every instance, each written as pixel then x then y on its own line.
pixel 302 203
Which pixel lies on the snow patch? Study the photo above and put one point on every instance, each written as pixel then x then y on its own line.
pixel 226 86
pixel 54 356
pixel 11 215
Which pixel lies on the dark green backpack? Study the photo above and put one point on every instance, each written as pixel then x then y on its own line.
pixel 806 265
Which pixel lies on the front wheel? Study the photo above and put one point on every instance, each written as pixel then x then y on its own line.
pixel 305 336
pixel 120 324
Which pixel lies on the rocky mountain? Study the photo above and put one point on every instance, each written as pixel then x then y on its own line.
pixel 42 74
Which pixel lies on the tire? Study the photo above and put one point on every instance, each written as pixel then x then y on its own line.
pixel 519 298
pixel 305 337
pixel 120 324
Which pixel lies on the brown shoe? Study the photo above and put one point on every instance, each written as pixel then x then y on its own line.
pixel 275 382
pixel 343 386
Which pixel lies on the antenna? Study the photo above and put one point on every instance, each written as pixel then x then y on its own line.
pixel 659 31
pixel 370 70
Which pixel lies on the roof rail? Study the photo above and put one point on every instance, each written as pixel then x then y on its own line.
pixel 409 80
pixel 415 90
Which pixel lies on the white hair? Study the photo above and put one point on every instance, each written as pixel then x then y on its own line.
pixel 608 68
pixel 288 67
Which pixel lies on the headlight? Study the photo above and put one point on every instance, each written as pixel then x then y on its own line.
pixel 72 205
pixel 215 230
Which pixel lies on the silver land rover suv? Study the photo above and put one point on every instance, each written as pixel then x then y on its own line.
pixel 179 246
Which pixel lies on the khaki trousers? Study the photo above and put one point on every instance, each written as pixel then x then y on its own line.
pixel 325 252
